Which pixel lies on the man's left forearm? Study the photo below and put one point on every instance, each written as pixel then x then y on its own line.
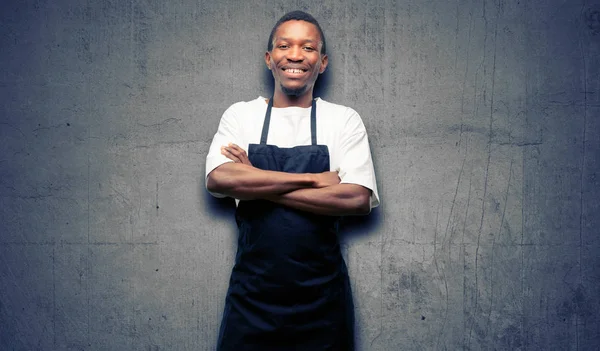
pixel 334 200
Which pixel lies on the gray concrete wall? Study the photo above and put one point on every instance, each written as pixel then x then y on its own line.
pixel 484 123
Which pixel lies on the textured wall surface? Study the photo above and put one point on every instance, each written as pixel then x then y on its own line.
pixel 484 124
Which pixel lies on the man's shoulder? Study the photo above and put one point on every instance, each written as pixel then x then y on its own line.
pixel 245 109
pixel 336 109
pixel 257 103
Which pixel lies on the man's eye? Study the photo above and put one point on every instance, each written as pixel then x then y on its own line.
pixel 282 46
pixel 309 48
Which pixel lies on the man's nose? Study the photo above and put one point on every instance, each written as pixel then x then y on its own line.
pixel 295 54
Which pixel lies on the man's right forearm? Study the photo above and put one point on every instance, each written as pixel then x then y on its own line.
pixel 246 182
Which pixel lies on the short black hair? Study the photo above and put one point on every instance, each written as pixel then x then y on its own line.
pixel 297 16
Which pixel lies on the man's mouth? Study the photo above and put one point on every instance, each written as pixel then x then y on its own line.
pixel 294 70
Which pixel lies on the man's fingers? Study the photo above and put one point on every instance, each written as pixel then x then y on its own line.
pixel 230 155
pixel 235 152
pixel 238 151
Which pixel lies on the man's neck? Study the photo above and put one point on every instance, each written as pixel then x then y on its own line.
pixel 282 100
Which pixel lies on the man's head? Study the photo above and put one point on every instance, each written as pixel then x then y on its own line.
pixel 297 16
pixel 296 54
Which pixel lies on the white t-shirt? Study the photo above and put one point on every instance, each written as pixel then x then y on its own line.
pixel 339 127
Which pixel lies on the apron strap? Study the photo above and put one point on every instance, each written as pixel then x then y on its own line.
pixel 265 130
pixel 313 123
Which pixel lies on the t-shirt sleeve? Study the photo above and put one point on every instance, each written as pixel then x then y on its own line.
pixel 356 166
pixel 228 132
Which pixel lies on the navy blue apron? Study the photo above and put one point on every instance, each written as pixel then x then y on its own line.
pixel 289 287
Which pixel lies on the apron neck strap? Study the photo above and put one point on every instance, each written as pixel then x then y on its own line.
pixel 313 123
pixel 265 130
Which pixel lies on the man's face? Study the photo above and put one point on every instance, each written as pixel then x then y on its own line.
pixel 296 59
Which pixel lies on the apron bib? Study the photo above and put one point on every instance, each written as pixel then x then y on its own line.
pixel 289 287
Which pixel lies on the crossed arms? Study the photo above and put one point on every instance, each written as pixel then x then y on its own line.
pixel 320 193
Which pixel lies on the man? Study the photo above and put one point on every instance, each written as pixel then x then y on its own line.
pixel 308 163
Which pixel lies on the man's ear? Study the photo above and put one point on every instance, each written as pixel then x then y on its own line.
pixel 268 60
pixel 324 62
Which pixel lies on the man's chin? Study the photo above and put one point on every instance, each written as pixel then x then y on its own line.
pixel 296 91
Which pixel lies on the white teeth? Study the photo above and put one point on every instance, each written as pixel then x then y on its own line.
pixel 294 70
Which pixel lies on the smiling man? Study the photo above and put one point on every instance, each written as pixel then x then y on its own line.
pixel 307 164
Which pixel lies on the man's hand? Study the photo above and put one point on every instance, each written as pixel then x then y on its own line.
pixel 325 179
pixel 235 153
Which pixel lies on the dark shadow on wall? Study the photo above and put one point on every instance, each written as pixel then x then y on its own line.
pixel 354 226
pixel 268 83
pixel 218 207
pixel 322 85
pixel 221 208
